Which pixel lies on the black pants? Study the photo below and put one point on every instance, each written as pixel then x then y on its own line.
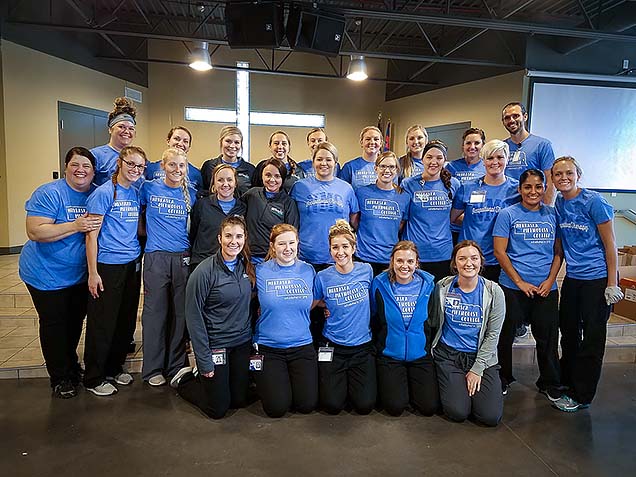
pixel 349 377
pixel 491 272
pixel 583 316
pixel 226 389
pixel 289 378
pixel 438 269
pixel 109 321
pixel 543 316
pixel 317 314
pixel 486 406
pixel 404 382
pixel 61 315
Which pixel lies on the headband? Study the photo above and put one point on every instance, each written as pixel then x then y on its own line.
pixel 119 118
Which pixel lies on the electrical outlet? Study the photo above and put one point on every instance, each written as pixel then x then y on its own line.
pixel 56 175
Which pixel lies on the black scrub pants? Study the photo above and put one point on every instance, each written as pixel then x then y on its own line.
pixel 288 380
pixel 583 316
pixel 486 406
pixel 543 316
pixel 228 388
pixel 61 315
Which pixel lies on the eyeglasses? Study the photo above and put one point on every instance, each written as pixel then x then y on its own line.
pixel 383 167
pixel 131 165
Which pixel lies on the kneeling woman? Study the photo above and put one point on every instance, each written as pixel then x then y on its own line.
pixel 289 376
pixel 406 372
pixel 468 312
pixel 346 357
pixel 218 317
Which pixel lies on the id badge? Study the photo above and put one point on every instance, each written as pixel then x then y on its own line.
pixel 477 197
pixel 325 354
pixel 256 362
pixel 219 356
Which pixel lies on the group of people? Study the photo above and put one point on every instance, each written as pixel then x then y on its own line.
pixel 392 281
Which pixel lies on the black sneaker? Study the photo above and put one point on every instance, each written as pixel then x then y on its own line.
pixel 521 332
pixel 552 396
pixel 504 389
pixel 65 390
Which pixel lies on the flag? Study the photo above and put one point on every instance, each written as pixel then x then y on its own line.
pixel 380 120
pixel 387 136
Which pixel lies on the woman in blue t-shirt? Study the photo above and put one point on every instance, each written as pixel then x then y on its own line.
pixel 481 200
pixel 346 360
pixel 586 225
pixel 280 146
pixel 468 311
pixel 166 205
pixel 383 211
pixel 122 131
pixel 53 266
pixel 208 213
pixel 406 373
pixel 289 375
pixel 361 171
pixel 112 253
pixel 529 252
pixel 411 162
pixel 431 196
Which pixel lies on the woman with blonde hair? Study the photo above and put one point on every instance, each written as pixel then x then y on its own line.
pixel 411 163
pixel 208 213
pixel 230 144
pixel 166 205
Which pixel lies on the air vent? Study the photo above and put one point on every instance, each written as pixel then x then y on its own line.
pixel 133 94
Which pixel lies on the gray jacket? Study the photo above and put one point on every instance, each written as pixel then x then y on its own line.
pixel 494 312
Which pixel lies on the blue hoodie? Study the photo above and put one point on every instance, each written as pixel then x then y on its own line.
pixel 394 339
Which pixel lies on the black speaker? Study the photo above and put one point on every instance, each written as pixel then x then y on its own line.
pixel 254 25
pixel 315 31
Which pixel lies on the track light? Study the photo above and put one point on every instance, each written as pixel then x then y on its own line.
pixel 357 69
pixel 200 58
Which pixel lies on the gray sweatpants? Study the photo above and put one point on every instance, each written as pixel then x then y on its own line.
pixel 163 317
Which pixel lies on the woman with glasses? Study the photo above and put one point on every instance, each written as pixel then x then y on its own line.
pixel 428 225
pixel 383 210
pixel 112 253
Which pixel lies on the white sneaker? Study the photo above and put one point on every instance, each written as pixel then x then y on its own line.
pixel 174 382
pixel 157 380
pixel 123 379
pixel 104 389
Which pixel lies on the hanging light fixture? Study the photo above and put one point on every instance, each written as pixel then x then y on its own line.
pixel 357 69
pixel 200 58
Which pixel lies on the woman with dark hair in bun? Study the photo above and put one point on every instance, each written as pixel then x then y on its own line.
pixel 280 145
pixel 266 207
pixel 122 131
pixel 53 266
pixel 428 223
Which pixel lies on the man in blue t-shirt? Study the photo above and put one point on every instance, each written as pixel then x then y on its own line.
pixel 527 151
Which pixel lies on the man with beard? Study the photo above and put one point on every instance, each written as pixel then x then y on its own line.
pixel 527 151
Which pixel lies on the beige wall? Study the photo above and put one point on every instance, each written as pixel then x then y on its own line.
pixel 479 102
pixel 348 106
pixel 33 83
pixel 4 213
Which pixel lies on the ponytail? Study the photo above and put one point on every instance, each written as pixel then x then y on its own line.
pixel 446 176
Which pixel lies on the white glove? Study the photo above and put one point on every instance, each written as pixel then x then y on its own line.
pixel 613 295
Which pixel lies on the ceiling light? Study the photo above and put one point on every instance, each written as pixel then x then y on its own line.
pixel 357 69
pixel 200 58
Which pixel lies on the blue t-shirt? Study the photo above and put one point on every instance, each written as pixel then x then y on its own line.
pixel 285 295
pixel 464 172
pixel 534 152
pixel 578 221
pixel 105 163
pixel 117 241
pixel 154 171
pixel 381 212
pixel 166 216
pixel 531 235
pixel 227 205
pixel 308 167
pixel 358 172
pixel 347 299
pixel 418 168
pixel 320 204
pixel 463 317
pixel 428 223
pixel 59 264
pixel 481 203
pixel 406 296
pixel 231 264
